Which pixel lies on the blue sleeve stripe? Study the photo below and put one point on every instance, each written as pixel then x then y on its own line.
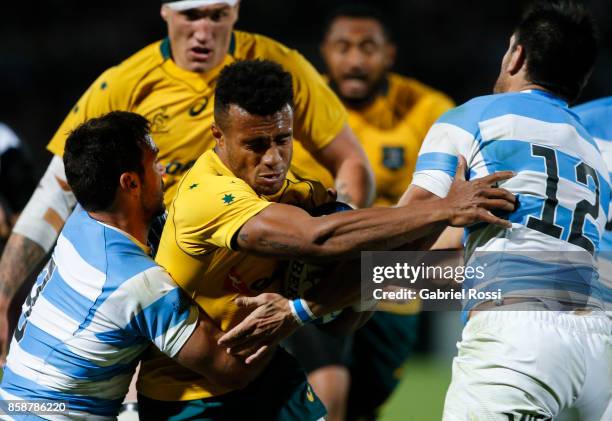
pixel 56 353
pixel 165 313
pixel 437 161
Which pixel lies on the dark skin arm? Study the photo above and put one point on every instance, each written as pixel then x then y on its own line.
pixel 224 371
pixel 284 231
pixel 344 235
pixel 345 159
pixel 19 259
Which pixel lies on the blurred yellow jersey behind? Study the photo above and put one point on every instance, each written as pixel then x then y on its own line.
pixel 179 103
pixel 391 130
pixel 196 248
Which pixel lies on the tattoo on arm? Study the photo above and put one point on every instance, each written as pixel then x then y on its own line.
pixel 278 246
pixel 21 255
pixel 272 245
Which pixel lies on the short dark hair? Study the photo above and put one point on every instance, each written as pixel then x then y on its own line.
pixel 360 11
pixel 98 151
pixel 261 87
pixel 560 43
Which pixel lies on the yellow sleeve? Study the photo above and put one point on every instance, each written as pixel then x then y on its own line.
pixel 319 114
pixel 207 216
pixel 106 94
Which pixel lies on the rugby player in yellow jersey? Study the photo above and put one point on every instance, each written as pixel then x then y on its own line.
pixel 171 82
pixel 390 114
pixel 236 212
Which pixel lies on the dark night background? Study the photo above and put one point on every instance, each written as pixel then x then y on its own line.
pixel 53 50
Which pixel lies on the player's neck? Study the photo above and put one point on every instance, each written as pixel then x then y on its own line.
pixel 523 84
pixel 135 225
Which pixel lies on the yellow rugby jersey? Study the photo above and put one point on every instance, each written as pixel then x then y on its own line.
pixel 179 103
pixel 391 131
pixel 196 249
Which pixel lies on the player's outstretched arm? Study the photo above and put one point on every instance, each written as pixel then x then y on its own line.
pixel 289 232
pixel 346 160
pixel 347 234
pixel 34 234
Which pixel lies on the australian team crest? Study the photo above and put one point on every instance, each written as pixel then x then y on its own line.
pixel 393 157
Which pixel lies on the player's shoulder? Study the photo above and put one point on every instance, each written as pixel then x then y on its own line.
pixel 470 114
pixel 210 181
pixel 137 66
pixel 412 97
pixel 596 116
pixel 600 105
pixel 407 86
pixel 249 45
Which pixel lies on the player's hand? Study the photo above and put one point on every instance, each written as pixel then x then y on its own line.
pixel 270 322
pixel 469 202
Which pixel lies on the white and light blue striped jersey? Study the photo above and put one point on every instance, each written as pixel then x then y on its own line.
pixel 596 116
pixel 98 304
pixel 561 184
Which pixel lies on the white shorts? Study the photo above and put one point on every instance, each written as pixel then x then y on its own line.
pixel 531 365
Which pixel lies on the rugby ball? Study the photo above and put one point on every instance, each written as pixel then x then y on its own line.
pixel 300 276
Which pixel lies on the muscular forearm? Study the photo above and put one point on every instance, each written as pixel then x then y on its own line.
pixel 341 235
pixel 231 372
pixel 21 255
pixel 224 372
pixel 284 231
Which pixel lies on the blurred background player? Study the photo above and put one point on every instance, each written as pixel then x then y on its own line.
pixel 256 212
pixel 390 115
pixel 17 185
pixel 171 82
pixel 548 357
pixel 17 180
pixel 101 300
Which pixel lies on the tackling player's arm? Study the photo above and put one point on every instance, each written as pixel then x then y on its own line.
pixel 166 316
pixel 202 354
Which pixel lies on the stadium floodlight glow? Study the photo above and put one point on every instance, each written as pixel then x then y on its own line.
pixel 192 4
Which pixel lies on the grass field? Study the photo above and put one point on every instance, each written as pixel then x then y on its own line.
pixel 420 395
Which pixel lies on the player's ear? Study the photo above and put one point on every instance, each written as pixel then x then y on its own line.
pixel 164 13
pixel 236 8
pixel 216 132
pixel 517 59
pixel 390 54
pixel 129 181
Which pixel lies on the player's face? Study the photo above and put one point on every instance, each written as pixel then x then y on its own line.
pixel 152 194
pixel 200 37
pixel 258 149
pixel 357 54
